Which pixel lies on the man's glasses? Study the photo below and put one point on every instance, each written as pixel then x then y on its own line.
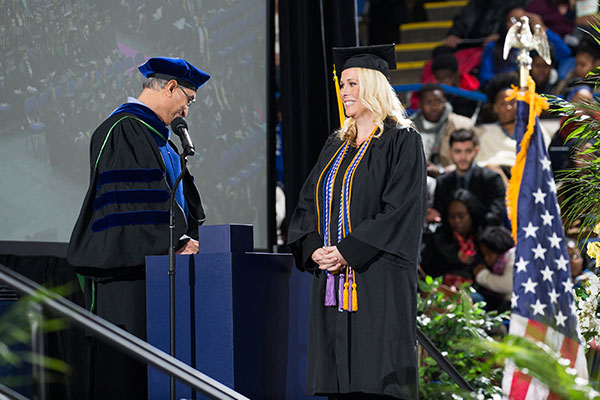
pixel 190 99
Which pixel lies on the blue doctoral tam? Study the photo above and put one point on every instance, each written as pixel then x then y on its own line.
pixel 174 68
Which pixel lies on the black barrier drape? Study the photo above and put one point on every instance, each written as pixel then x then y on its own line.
pixel 67 344
pixel 308 31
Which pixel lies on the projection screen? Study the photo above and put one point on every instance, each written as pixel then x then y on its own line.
pixel 67 64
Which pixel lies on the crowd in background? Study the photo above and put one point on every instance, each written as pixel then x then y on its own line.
pixel 67 64
pixel 470 145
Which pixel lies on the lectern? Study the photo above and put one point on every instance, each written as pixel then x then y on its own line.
pixel 232 309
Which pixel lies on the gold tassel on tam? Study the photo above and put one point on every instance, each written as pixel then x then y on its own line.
pixel 339 99
pixel 346 285
pixel 354 293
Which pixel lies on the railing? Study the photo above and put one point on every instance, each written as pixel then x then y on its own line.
pixel 442 361
pixel 467 94
pixel 150 355
pixel 114 336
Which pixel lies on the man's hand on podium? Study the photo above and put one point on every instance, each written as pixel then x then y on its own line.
pixel 190 247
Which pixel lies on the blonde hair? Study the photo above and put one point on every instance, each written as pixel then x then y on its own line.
pixel 379 97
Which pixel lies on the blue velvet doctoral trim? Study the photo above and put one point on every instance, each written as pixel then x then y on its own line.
pixel 169 155
pixel 131 218
pixel 145 114
pixel 129 175
pixel 131 196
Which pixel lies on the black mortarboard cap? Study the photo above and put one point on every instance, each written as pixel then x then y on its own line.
pixel 381 58
pixel 174 68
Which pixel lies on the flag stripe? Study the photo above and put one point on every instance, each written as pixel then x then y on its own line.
pixel 519 386
pixel 537 391
pixel 536 330
pixel 543 298
pixel 569 350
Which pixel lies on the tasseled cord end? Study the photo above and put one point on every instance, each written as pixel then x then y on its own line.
pixel 342 279
pixel 330 291
pixel 346 286
pixel 354 293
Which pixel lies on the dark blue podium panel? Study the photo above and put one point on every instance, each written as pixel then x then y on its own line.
pixel 299 284
pixel 231 314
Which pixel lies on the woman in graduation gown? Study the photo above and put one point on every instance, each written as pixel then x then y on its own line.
pixel 357 228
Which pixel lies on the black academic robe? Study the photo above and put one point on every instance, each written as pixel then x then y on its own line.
pixel 125 213
pixel 124 218
pixel 372 350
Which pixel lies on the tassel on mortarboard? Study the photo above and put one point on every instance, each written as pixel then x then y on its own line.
pixel 339 99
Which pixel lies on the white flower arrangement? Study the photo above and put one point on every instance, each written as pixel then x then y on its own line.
pixel 588 299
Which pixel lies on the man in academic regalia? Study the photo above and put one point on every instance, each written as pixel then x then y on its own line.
pixel 125 214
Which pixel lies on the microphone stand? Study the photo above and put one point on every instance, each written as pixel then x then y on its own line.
pixel 171 271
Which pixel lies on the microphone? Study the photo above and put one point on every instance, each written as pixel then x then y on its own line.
pixel 179 126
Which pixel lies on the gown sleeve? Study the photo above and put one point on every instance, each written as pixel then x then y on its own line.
pixel 356 252
pixel 397 227
pixel 303 236
pixel 126 210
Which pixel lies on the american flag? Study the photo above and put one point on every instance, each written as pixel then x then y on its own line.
pixel 543 307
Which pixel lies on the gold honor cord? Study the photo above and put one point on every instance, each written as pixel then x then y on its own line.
pixel 339 99
pixel 536 105
pixel 318 185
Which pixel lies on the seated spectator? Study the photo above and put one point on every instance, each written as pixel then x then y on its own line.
pixel 495 275
pixel 451 251
pixel 467 60
pixel 492 60
pixel 587 58
pixel 445 70
pixel 580 93
pixel 557 15
pixel 497 144
pixel 484 184
pixel 579 263
pixel 476 24
pixel 582 161
pixel 544 75
pixel 435 121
